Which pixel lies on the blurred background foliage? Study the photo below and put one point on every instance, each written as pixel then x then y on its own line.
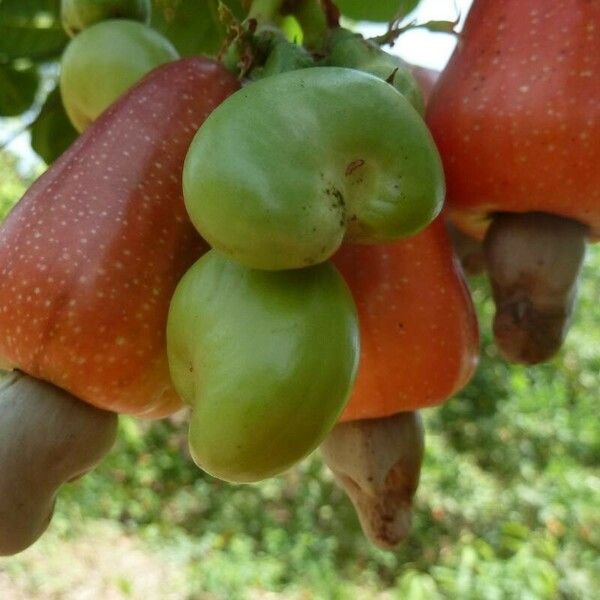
pixel 508 506
pixel 32 41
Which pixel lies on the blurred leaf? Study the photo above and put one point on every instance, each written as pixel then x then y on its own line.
pixel 515 530
pixel 12 185
pixel 405 7
pixel 291 29
pixel 379 10
pixel 193 25
pixel 30 29
pixel 17 89
pixel 52 132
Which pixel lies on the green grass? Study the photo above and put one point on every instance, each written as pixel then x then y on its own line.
pixel 508 506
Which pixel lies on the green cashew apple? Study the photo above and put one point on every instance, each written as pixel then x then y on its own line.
pixel 348 49
pixel 376 10
pixel 290 166
pixel 265 359
pixel 104 61
pixel 76 15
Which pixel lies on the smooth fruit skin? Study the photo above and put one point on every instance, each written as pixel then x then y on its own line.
pixel 419 334
pixel 47 438
pixel 426 79
pixel 290 166
pixel 91 255
pixel 76 15
pixel 534 261
pixel 348 49
pixel 265 359
pixel 378 463
pixel 516 113
pixel 104 61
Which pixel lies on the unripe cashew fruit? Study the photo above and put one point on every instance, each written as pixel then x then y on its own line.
pixel 349 49
pixel 47 438
pixel 104 61
pixel 266 360
pixel 378 463
pixel 76 15
pixel 290 166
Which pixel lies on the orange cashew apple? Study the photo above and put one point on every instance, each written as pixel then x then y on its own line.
pixel 419 345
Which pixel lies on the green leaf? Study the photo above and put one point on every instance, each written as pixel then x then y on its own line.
pixel 52 132
pixel 193 25
pixel 17 89
pixel 405 7
pixel 377 10
pixel 30 29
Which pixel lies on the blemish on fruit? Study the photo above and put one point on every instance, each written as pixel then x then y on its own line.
pixel 352 166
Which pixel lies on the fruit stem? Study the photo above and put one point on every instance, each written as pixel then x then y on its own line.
pixel 378 463
pixel 533 260
pixel 468 250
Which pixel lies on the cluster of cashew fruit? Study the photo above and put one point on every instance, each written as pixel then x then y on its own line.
pixel 329 308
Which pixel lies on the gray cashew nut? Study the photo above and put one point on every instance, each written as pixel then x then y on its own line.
pixel 378 463
pixel 47 437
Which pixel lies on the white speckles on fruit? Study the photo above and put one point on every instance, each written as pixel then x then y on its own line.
pixel 104 237
pixel 517 113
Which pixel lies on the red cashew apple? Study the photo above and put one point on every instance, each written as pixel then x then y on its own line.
pixel 516 117
pixel 426 79
pixel 468 249
pixel 419 345
pixel 90 258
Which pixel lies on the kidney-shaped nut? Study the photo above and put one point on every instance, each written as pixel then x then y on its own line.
pixel 47 437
